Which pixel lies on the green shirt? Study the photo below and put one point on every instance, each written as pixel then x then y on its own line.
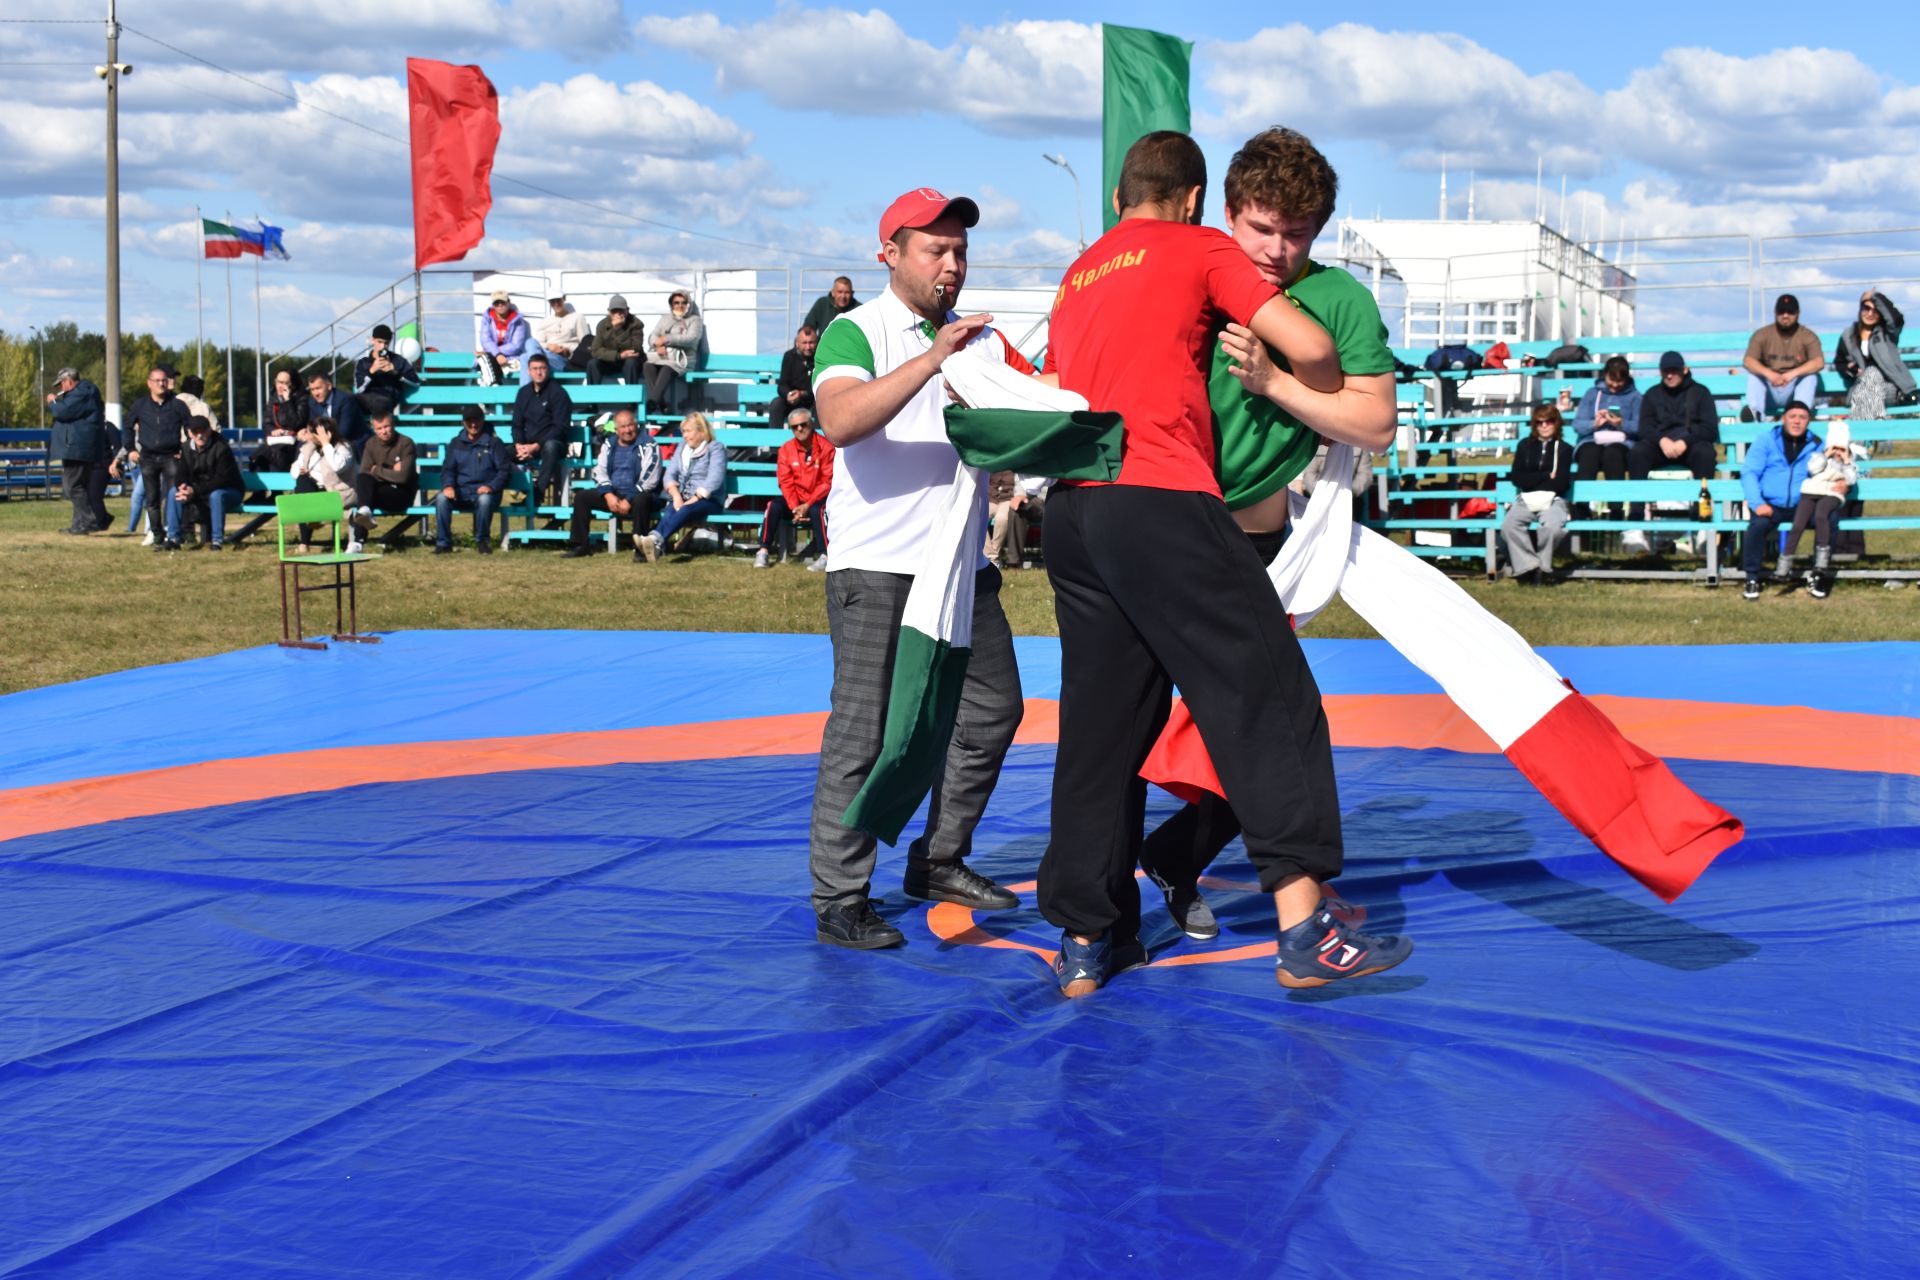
pixel 1259 447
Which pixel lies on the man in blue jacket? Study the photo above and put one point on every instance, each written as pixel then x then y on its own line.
pixel 1774 470
pixel 626 476
pixel 80 443
pixel 542 421
pixel 473 472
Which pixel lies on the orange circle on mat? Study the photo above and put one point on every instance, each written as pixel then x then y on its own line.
pixel 953 923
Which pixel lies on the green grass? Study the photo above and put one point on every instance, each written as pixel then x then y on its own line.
pixel 77 607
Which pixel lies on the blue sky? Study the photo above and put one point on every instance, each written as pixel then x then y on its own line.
pixel 789 126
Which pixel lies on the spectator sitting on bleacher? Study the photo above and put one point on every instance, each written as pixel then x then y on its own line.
pixel 1607 423
pixel 389 475
pixel 1679 424
pixel 1012 501
pixel 324 400
pixel 1831 475
pixel 79 442
pixel 696 483
pixel 474 469
pixel 804 472
pixel 542 421
pixel 209 482
pixel 1868 359
pixel 505 336
pixel 286 418
pixel 678 345
pixel 1783 363
pixel 326 463
pixel 1542 475
pixel 626 476
pixel 563 334
pixel 619 346
pixel 794 390
pixel 1772 474
pixel 837 301
pixel 382 377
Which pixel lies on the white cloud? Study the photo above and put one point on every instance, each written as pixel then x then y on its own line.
pixel 1017 78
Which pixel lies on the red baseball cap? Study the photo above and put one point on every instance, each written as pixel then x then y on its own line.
pixel 922 206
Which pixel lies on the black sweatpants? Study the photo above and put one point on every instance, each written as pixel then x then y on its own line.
pixel 1155 588
pixel 587 505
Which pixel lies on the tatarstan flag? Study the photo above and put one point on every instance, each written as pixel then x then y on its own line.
pixel 222 241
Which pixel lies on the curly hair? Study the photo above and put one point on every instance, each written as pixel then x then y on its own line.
pixel 1281 171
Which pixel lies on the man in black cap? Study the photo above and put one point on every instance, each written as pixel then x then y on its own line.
pixel 619 351
pixel 1783 363
pixel 382 377
pixel 1679 424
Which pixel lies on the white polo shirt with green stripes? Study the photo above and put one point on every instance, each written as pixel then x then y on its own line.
pixel 889 489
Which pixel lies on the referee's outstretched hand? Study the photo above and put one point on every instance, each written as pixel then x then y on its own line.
pixel 956 335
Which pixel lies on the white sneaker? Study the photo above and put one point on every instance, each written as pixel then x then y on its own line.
pixel 148 540
pixel 760 558
pixel 817 565
pixel 1635 540
pixel 355 547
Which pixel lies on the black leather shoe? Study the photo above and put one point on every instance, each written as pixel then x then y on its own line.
pixel 857 926
pixel 575 553
pixel 958 883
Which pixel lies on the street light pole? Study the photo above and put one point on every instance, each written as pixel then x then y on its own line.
pixel 1079 214
pixel 111 73
pixel 40 378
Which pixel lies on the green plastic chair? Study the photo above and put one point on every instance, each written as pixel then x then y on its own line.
pixel 325 507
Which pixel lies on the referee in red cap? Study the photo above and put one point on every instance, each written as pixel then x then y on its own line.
pixel 881 403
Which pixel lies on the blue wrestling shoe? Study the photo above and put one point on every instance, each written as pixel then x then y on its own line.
pixel 1082 966
pixel 1323 948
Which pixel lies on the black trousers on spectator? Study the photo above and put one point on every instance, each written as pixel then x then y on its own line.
pixel 97 481
pixel 1646 456
pixel 1596 461
pixel 779 518
pixel 77 486
pixel 1155 588
pixel 668 390
pixel 1761 538
pixel 628 370
pixel 384 496
pixel 1820 511
pixel 160 473
pixel 587 505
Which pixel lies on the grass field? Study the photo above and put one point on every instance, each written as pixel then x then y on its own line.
pixel 77 607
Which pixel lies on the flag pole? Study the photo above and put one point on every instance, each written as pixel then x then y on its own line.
pixel 259 387
pixel 199 304
pixel 229 338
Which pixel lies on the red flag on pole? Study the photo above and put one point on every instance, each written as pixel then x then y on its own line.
pixel 454 115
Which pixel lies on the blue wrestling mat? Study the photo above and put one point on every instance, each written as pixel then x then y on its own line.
pixel 419 1003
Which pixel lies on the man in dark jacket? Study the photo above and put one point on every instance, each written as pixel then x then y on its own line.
pixel 388 477
pixel 382 377
pixel 837 301
pixel 324 400
pixel 473 472
pixel 209 481
pixel 627 480
pixel 1679 424
pixel 542 422
pixel 80 443
pixel 157 422
pixel 794 390
pixel 619 349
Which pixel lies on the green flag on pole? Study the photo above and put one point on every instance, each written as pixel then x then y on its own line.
pixel 1145 89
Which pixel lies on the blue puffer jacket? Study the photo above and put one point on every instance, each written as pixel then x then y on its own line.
pixel 468 464
pixel 704 474
pixel 79 425
pixel 1768 477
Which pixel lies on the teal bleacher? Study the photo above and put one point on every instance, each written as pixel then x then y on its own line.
pixel 1441 464
pixel 431 413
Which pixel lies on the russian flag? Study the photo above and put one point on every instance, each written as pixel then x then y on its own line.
pixel 263 241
